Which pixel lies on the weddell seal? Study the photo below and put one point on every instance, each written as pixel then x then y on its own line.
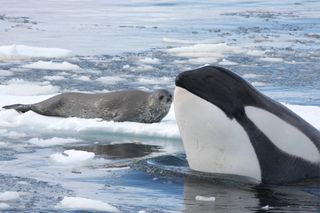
pixel 127 105
pixel 227 126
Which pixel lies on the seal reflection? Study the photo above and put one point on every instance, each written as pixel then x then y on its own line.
pixel 121 150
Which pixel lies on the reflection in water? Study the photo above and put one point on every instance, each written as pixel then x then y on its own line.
pixel 122 150
pixel 233 193
pixel 230 198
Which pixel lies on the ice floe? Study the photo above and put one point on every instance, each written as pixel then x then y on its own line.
pixel 203 198
pixel 72 157
pixel 9 195
pixel 51 141
pixel 110 80
pixel 85 204
pixel 204 53
pixel 22 51
pixel 24 87
pixel 4 206
pixel 149 60
pixel 50 65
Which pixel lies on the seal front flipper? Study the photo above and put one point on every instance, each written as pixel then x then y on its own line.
pixel 18 107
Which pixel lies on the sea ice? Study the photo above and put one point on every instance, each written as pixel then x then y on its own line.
pixel 79 203
pixel 149 60
pixel 70 157
pixel 49 65
pixel 51 141
pixel 23 51
pixel 54 78
pixel 269 59
pixel 9 195
pixel 4 206
pixel 23 87
pixel 110 80
pixel 258 84
pixel 251 76
pixel 204 53
pixel 203 198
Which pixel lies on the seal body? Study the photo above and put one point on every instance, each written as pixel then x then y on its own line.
pixel 227 126
pixel 127 105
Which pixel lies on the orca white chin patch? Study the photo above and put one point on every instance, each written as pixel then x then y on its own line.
pixel 213 143
pixel 286 137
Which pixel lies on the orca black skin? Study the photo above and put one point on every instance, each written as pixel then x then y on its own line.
pixel 230 93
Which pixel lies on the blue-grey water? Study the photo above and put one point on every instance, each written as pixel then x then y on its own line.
pixel 275 45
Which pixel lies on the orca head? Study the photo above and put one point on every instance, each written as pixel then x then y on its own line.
pixel 207 102
pixel 219 86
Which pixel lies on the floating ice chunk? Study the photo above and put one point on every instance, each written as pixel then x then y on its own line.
pixel 84 78
pixel 207 199
pixel 22 87
pixel 266 208
pixel 149 60
pixel 110 80
pixel 79 203
pixel 72 156
pixel 178 41
pixel 49 65
pixel 269 59
pixel 22 51
pixel 185 41
pixel 258 84
pixel 54 78
pixel 6 73
pixel 204 53
pixel 143 68
pixel 251 76
pixel 14 134
pixel 52 141
pixel 203 60
pixel 162 80
pixel 204 50
pixel 127 66
pixel 9 195
pixel 226 62
pixel 23 183
pixel 256 52
pixel 4 206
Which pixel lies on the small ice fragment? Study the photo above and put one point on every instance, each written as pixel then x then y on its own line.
pixel 9 195
pixel 266 208
pixel 203 198
pixel 4 206
pixel 79 203
pixel 72 157
pixel 50 65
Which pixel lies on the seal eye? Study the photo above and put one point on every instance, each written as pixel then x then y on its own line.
pixel 161 97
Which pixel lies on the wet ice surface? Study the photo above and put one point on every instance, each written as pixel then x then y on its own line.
pixel 99 46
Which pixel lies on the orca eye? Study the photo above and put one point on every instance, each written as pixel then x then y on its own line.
pixel 161 97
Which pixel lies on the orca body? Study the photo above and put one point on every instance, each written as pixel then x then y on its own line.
pixel 227 126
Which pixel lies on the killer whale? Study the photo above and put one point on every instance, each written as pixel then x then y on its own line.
pixel 227 126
